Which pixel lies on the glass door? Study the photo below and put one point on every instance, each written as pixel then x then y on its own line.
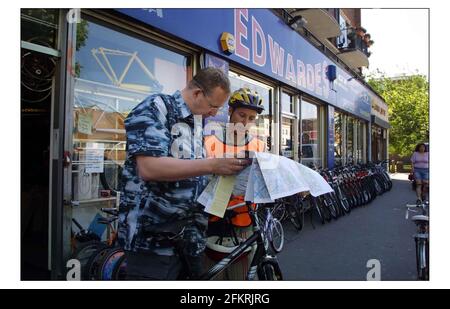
pixel 310 134
pixel 112 72
pixel 288 126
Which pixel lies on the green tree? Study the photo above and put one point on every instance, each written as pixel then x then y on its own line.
pixel 82 36
pixel 408 108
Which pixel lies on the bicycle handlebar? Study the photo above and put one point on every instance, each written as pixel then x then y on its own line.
pixel 413 206
pixel 78 224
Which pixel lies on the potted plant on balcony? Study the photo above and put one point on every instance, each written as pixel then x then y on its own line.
pixel 360 31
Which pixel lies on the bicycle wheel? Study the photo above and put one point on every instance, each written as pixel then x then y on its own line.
pixel 120 269
pixel 422 260
pixel 276 238
pixel 267 271
pixel 108 264
pixel 328 203
pixel 279 211
pixel 316 206
pixel 349 196
pixel 92 268
pixel 263 227
pixel 378 186
pixel 85 252
pixel 342 200
pixel 325 210
pixel 295 216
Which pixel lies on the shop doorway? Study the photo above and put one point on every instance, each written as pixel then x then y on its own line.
pixel 37 80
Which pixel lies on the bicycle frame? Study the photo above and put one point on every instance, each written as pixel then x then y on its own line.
pixel 260 256
pixel 422 241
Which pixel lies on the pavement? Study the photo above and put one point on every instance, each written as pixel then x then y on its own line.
pixel 341 249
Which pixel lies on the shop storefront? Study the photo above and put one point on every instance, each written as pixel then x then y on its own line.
pixel 114 59
pixel 350 145
pixel 379 131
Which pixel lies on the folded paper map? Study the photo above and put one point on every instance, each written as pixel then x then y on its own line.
pixel 268 178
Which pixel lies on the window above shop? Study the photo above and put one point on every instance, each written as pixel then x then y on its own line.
pixel 287 103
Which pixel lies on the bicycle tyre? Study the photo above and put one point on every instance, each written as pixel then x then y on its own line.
pixel 93 266
pixel 108 264
pixel 120 269
pixel 315 205
pixel 295 216
pixel 279 211
pixel 269 273
pixel 342 201
pixel 328 203
pixel 84 253
pixel 422 260
pixel 325 210
pixel 276 243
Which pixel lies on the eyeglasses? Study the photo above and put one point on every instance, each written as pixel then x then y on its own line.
pixel 211 106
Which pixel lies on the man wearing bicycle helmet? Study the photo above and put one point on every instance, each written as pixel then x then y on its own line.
pixel 244 106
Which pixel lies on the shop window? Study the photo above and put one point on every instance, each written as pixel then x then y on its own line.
pixel 350 141
pixel 360 149
pixel 287 137
pixel 263 125
pixel 114 72
pixel 287 103
pixel 310 134
pixel 338 138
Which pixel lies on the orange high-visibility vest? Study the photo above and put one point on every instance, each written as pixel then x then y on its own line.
pixel 215 148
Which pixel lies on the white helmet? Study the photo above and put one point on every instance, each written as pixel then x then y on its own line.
pixel 217 247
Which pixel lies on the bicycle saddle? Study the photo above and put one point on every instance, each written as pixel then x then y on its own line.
pixel 420 218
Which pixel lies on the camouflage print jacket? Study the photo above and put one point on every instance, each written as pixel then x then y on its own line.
pixel 150 132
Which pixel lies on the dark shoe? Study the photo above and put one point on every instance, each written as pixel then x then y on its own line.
pixel 419 202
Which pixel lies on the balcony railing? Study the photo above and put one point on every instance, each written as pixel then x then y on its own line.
pixel 357 42
pixel 356 52
pixel 333 54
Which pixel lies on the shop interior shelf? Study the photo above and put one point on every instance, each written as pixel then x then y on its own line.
pixel 96 200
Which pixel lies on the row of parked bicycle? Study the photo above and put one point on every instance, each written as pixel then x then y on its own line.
pixel 353 185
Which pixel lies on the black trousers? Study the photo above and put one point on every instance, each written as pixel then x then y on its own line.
pixel 150 266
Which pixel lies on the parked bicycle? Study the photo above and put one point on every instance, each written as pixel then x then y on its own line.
pixel 263 264
pixel 421 238
pixel 290 208
pixel 271 228
pixel 108 262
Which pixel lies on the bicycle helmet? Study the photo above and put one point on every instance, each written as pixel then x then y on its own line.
pixel 247 98
pixel 218 247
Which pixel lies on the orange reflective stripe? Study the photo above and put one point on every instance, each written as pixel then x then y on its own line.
pixel 216 148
